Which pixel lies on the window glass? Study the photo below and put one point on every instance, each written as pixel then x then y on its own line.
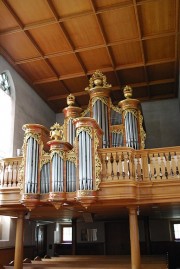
pixel 6 117
pixel 67 234
pixel 176 231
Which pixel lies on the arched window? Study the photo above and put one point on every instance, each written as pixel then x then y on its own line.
pixel 7 108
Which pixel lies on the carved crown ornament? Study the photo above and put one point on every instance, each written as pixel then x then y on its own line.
pixel 57 132
pixel 98 80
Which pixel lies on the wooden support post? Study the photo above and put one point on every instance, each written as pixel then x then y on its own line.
pixel 134 239
pixel 18 257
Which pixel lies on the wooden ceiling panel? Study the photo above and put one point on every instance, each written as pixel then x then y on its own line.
pixel 159 48
pixel 162 90
pixel 7 21
pixel 96 59
pixel 77 84
pixel 37 70
pixel 50 39
pixel 68 8
pixel 83 100
pixel 120 24
pixel 18 46
pixel 111 79
pixel 66 64
pixel 50 89
pixel 31 11
pixel 84 31
pixel 127 54
pixel 135 75
pixel 157 17
pixel 105 4
pixel 117 96
pixel 57 45
pixel 161 71
pixel 141 93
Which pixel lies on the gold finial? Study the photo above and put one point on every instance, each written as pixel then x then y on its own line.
pixel 98 80
pixel 127 92
pixel 70 100
pixel 56 132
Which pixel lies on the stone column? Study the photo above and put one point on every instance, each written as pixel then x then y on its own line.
pixel 18 256
pixel 134 239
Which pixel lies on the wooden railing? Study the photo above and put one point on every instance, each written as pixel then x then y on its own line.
pixel 118 164
pixel 140 165
pixel 9 172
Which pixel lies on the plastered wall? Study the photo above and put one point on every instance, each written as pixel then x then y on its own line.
pixel 29 107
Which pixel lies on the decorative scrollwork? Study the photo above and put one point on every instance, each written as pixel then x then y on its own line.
pixel 98 169
pixel 21 175
pixel 85 129
pixel 86 111
pixel 71 156
pixel 44 161
pixel 29 134
pixel 132 111
pixel 102 99
pixel 98 165
pixel 117 131
pixel 142 132
pixel 98 80
pixel 115 108
pixel 60 153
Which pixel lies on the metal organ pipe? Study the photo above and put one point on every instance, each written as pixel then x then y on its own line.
pixel 71 132
pixel 85 161
pixel 131 130
pixel 45 175
pixel 57 173
pixel 31 165
pixel 101 116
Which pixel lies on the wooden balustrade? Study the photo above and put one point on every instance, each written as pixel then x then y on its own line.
pixel 118 164
pixel 140 165
pixel 9 170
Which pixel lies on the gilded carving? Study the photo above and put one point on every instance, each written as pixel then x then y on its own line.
pixel 71 156
pixel 104 100
pixel 116 108
pixel 85 129
pixel 57 132
pixel 44 160
pixel 29 134
pixel 142 132
pixel 132 111
pixel 86 111
pixel 98 80
pixel 60 153
pixel 98 164
pixel 21 176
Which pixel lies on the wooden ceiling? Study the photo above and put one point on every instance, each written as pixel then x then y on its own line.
pixel 57 45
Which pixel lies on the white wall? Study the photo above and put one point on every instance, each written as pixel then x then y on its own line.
pixel 29 108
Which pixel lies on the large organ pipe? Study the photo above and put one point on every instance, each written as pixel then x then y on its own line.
pixel 35 139
pixel 99 92
pixel 35 143
pixel 70 112
pixel 132 120
pixel 86 150
pixel 45 176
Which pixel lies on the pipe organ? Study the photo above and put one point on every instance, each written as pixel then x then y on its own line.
pixel 70 162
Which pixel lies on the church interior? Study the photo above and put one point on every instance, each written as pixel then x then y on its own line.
pixel 90 134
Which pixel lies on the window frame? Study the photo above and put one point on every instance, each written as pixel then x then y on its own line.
pixel 62 234
pixel 172 230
